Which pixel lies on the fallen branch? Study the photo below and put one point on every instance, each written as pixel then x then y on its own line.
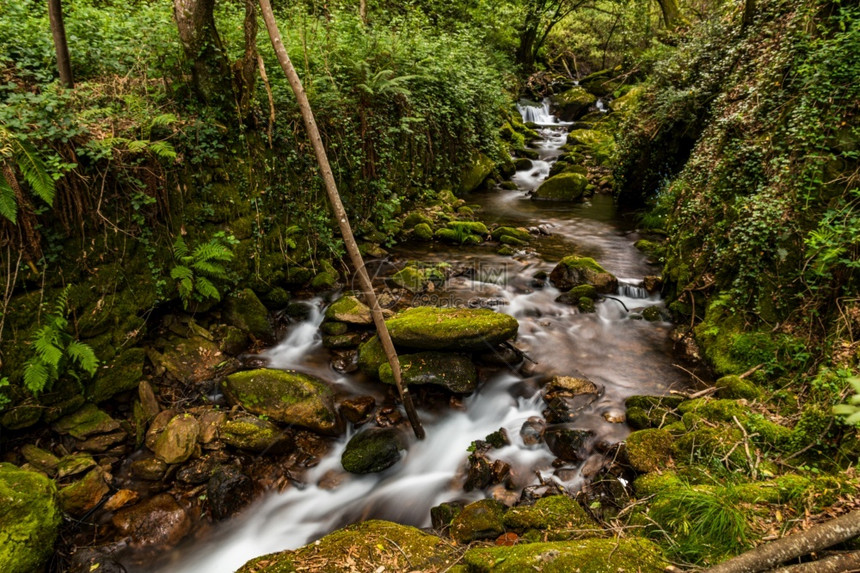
pixel 340 213
pixel 840 563
pixel 769 555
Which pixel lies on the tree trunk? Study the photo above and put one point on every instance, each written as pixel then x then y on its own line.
pixel 749 13
pixel 58 31
pixel 245 69
pixel 672 16
pixel 195 20
pixel 340 212
pixel 768 556
pixel 362 11
pixel 526 50
pixel 840 563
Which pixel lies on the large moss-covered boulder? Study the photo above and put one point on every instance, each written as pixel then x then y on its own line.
pixel 372 450
pixel 431 328
pixel 476 173
pixel 553 513
pixel 245 311
pixel 584 556
pixel 285 396
pixel 562 187
pixel 371 356
pixel 455 372
pixel 573 271
pixel 375 545
pixel 29 519
pixel 650 450
pixel 573 103
pixel 483 519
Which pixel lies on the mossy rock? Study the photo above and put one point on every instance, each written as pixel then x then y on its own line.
pixel 85 494
pixel 372 450
pixel 735 387
pixel 374 544
pixel 783 489
pixel 652 411
pixel 121 374
pixel 411 278
pixel 350 310
pixel 371 355
pixel 454 372
pixel 649 450
pixel 458 329
pixel 515 232
pixel 654 483
pixel 513 241
pixel 562 187
pixel 334 328
pixel 573 103
pixel 342 341
pixel 324 281
pixel 714 410
pixel 585 304
pixel 523 164
pixel 245 311
pixel 423 232
pixel 704 443
pixel 506 251
pixel 451 236
pixel 88 421
pixel 284 396
pixel 29 519
pixel 476 172
pixel 416 218
pixel 652 314
pixel 553 513
pixel 573 271
pixel 482 519
pixel 254 435
pixel 583 556
pixel 470 227
pixel 650 248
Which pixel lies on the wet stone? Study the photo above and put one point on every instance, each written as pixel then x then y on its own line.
pixel 121 499
pixel 443 514
pixel 85 494
pixel 228 492
pixel 87 421
pixel 103 442
pixel 566 443
pixel 532 431
pixel 158 521
pixel 372 450
pixel 358 410
pixel 178 442
pixel 74 464
pixel 149 469
pixel 201 470
pixel 40 459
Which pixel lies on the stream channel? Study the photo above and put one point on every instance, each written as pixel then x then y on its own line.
pixel 610 347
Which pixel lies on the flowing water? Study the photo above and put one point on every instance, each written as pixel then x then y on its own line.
pixel 611 348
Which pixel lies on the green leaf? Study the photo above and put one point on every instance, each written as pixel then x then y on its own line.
pixel 35 172
pixel 207 289
pixel 85 357
pixel 8 201
pixel 180 272
pixel 35 376
pixel 180 249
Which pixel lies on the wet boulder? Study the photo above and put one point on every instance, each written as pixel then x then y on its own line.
pixel 373 450
pixel 350 310
pixel 562 187
pixel 573 103
pixel 253 434
pixel 567 396
pixel 443 514
pixel 553 513
pixel 228 492
pixel 574 270
pixel 284 396
pixel 532 431
pixel 455 372
pixel 189 360
pixel 85 494
pixel 358 410
pixel 371 356
pixel 245 311
pixel 457 329
pixel 567 444
pixel 158 521
pixel 29 519
pixel 178 441
pixel 479 520
pixel 476 172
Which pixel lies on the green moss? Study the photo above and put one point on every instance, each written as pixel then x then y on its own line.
pixel 783 489
pixel 423 231
pixel 479 520
pixel 584 556
pixel 652 314
pixel 557 513
pixel 580 291
pixel 372 450
pixel 474 175
pixel 245 311
pixel 285 396
pixel 736 388
pixel 649 450
pixel 431 328
pixel 455 372
pixel 585 304
pixel 29 519
pixel 350 310
pixel 573 103
pixel 515 232
pixel 506 251
pixel 374 544
pixel 371 356
pixel 714 410
pixel 469 227
pixel 410 278
pixel 573 271
pixel 334 328
pixel 652 411
pixel 654 483
pixel 121 374
pixel 416 218
pixel 324 281
pixel 706 444
pixel 252 434
pixel 562 187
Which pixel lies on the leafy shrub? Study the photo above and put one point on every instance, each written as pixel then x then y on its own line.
pixel 196 269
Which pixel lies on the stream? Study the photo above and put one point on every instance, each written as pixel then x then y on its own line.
pixel 609 347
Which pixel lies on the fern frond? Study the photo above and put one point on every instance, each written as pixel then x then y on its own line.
pixel 85 357
pixel 163 149
pixel 186 287
pixel 180 249
pixel 61 306
pixel 8 202
pixel 162 120
pixel 35 172
pixel 212 251
pixel 207 289
pixel 210 269
pixel 36 376
pixel 180 272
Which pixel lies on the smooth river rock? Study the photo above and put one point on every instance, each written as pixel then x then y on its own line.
pixel 372 450
pixel 573 271
pixel 455 372
pixel 431 328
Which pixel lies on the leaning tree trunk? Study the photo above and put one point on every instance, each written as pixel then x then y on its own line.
pixel 672 16
pixel 767 556
pixel 195 20
pixel 340 212
pixel 58 31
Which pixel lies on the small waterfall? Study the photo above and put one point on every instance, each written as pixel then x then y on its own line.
pixel 301 341
pixel 630 288
pixel 601 106
pixel 537 114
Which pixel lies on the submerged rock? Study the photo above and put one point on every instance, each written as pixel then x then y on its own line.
pixel 29 519
pixel 372 450
pixel 431 328
pixel 573 271
pixel 284 396
pixel 562 187
pixel 454 372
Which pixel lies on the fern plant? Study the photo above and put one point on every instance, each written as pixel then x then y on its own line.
pixel 19 153
pixel 196 269
pixel 56 352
